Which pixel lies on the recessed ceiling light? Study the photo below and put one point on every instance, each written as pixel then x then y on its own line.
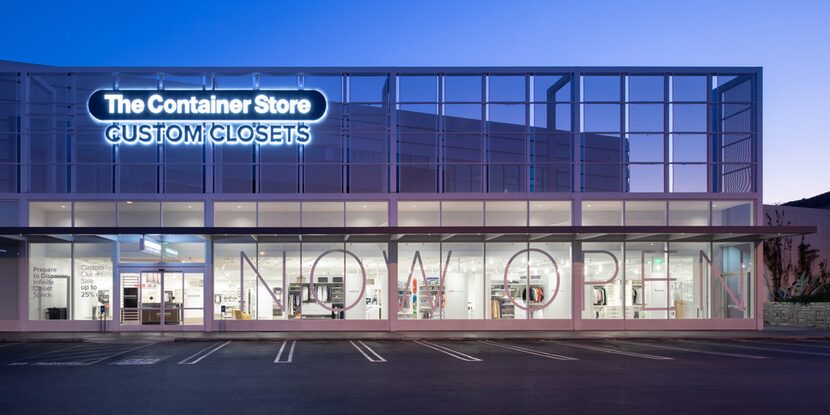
pixel 189 206
pixel 364 205
pixel 129 202
pixel 63 206
pixel 239 206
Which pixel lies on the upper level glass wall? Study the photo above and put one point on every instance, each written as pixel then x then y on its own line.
pixel 412 132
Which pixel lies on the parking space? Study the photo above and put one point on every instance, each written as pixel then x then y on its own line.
pixel 485 371
pixel 308 353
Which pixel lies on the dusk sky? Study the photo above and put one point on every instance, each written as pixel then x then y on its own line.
pixel 788 39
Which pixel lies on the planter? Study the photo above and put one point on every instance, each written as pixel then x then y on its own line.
pixel 797 315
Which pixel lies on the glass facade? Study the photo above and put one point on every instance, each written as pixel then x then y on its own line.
pixel 486 198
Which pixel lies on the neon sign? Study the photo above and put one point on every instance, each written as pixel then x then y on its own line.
pixel 265 117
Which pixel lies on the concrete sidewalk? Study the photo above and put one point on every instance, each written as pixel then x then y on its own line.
pixel 780 333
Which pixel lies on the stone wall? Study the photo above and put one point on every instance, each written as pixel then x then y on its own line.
pixel 797 315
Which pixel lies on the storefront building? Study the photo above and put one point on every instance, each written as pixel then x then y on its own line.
pixel 279 199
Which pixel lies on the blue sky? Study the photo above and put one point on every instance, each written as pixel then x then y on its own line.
pixel 789 39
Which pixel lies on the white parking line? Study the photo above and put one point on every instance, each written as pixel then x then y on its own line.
pixel 207 352
pixel 119 354
pixel 9 344
pixel 447 351
pixel 528 351
pixel 768 349
pixel 685 349
pixel 779 343
pixel 607 350
pixel 25 360
pixel 376 359
pixel 290 357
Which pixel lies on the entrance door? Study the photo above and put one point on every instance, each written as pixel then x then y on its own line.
pixel 153 300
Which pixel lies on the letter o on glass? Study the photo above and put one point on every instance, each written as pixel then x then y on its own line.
pixel 362 282
pixel 555 290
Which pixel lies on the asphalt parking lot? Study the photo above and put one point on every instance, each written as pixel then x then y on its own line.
pixel 483 376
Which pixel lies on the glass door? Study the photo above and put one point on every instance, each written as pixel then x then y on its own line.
pixel 162 299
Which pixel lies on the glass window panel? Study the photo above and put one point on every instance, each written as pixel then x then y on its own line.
pixel 545 275
pixel 551 117
pixel 372 306
pixel 646 118
pixel 322 178
pixel 48 178
pixel 688 213
pixel 183 214
pixel 462 89
pixel 93 178
pixel 88 214
pixel 367 214
pixel 183 178
pixel 507 118
pixel 462 117
pixel 645 178
pixel 92 285
pixel 550 88
pixel 508 213
pixel 323 214
pixel 463 280
pixel 506 88
pixel 419 213
pixel 371 178
pixel 688 178
pixel 138 81
pixel 135 214
pixel 278 81
pixel 689 88
pixel 9 214
pixel 234 214
pixel 50 214
pixel 461 178
pixel 689 148
pixel 227 291
pixel 369 146
pixel 184 81
pixel 418 178
pixel 236 178
pixel 462 213
pixel 645 148
pixel 596 213
pixel 418 88
pixel 500 306
pixel 646 279
pixel 550 213
pixel 50 271
pixel 139 178
pixel 279 214
pixel 603 292
pixel 645 88
pixel 602 177
pixel 279 178
pixel 463 147
pixel 47 147
pixel 233 81
pixel 645 213
pixel 731 287
pixel 601 118
pixel 368 88
pixel 689 275
pixel 601 88
pixel 504 178
pixel 331 86
pixel 415 300
pixel 689 118
pixel 726 213
pixel 418 118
